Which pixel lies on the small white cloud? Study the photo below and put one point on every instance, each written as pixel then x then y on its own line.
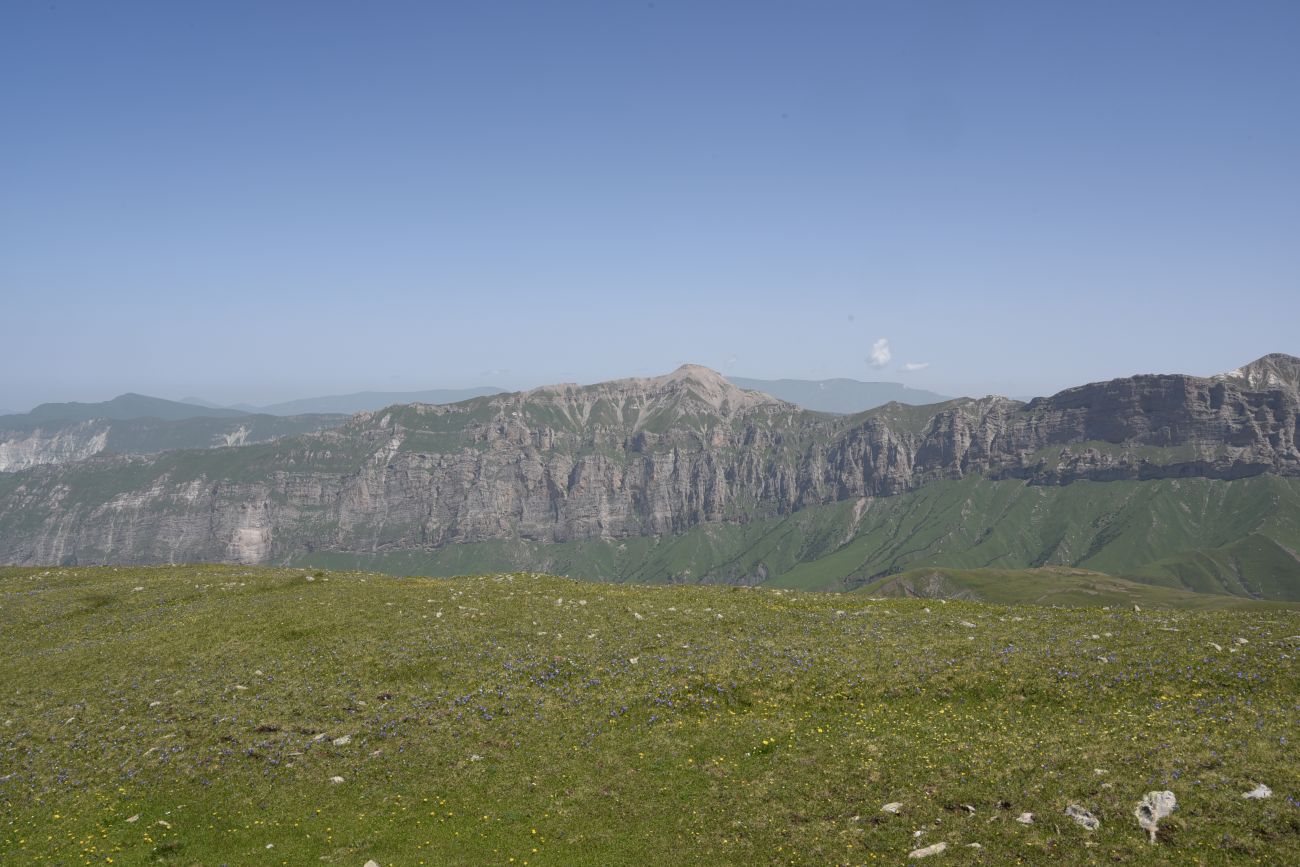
pixel 880 353
pixel 916 365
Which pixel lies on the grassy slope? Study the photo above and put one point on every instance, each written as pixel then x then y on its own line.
pixel 1048 585
pixel 532 720
pixel 1196 534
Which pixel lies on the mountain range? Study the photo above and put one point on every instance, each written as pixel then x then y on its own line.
pixel 825 395
pixel 1169 479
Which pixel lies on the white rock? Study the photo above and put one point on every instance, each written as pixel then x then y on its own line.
pixel 892 807
pixel 1085 819
pixel 1218 647
pixel 336 780
pixel 371 864
pixel 966 623
pixel 927 851
pixel 1241 641
pixel 1025 818
pixel 1259 793
pixel 342 741
pixel 1153 807
pixel 135 818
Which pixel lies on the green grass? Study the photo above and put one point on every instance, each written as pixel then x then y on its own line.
pixel 522 719
pixel 1049 585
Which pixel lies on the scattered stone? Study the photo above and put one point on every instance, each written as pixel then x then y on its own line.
pixel 1153 807
pixel 968 808
pixel 154 703
pixel 342 741
pixel 1086 820
pixel 1025 818
pixel 974 846
pixel 1259 793
pixel 1137 607
pixel 892 807
pixel 371 864
pixel 476 758
pixel 135 818
pixel 966 623
pixel 1218 647
pixel 336 780
pixel 311 577
pixel 927 851
pixel 1241 641
pixel 164 823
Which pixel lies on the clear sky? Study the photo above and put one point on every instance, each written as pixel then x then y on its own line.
pixel 253 201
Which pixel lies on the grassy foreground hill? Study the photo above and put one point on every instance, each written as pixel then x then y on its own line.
pixel 234 715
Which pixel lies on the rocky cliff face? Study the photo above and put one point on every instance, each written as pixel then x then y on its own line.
pixel 627 458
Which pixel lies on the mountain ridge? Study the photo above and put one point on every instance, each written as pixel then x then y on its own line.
pixel 628 459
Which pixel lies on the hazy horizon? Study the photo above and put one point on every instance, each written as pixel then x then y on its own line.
pixel 253 203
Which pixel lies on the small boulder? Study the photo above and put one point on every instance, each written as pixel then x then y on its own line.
pixel 892 807
pixel 1153 807
pixel 1083 818
pixel 342 741
pixel 1259 793
pixel 926 852
pixel 1025 818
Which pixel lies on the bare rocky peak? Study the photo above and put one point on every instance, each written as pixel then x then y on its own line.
pixel 1276 370
pixel 688 382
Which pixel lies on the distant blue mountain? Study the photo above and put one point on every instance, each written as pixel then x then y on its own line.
pixel 366 401
pixel 839 395
pixel 125 407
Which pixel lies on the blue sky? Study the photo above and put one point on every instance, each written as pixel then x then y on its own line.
pixel 259 201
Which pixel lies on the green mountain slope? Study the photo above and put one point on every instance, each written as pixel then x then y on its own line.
pixel 1202 535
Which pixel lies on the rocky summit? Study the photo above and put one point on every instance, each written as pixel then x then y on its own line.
pixel 659 457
